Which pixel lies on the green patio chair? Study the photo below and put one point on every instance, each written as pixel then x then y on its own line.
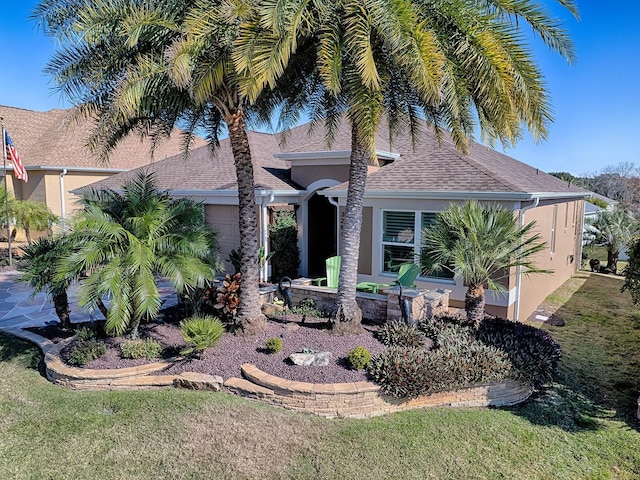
pixel 333 273
pixel 407 274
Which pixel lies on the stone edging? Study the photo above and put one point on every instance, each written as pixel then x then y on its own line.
pixel 354 400
pixel 366 399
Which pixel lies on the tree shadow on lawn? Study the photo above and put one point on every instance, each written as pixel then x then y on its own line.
pixel 14 349
pixel 599 374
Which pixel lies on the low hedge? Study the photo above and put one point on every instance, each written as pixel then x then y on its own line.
pixel 463 356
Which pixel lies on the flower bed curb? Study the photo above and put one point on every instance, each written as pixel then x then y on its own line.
pixel 366 399
pixel 352 400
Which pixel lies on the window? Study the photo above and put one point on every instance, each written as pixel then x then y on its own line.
pixel 402 239
pixel 554 218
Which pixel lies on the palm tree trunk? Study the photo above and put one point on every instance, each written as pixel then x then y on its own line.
pixel 612 260
pixel 347 316
pixel 250 318
pixel 103 309
pixel 61 304
pixel 474 304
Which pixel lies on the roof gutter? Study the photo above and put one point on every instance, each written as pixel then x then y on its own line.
pixel 77 169
pixel 457 195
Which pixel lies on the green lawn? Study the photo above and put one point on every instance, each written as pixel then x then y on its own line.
pixel 582 427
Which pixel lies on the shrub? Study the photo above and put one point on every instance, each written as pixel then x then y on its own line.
pixel 399 334
pixel 411 372
pixel 228 297
pixel 274 345
pixel 135 349
pixel 307 308
pixel 85 351
pixel 533 353
pixel 85 333
pixel 201 333
pixel 283 232
pixel 359 358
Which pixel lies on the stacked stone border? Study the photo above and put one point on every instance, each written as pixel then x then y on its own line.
pixel 352 400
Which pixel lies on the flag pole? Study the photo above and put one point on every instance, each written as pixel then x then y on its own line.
pixel 6 190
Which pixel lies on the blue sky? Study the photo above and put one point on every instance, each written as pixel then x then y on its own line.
pixel 596 101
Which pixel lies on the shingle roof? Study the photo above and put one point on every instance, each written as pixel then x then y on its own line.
pixel 204 171
pixel 440 167
pixel 430 167
pixel 52 138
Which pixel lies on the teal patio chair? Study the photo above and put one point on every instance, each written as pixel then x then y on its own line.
pixel 407 274
pixel 332 265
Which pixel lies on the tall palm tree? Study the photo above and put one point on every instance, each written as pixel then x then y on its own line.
pixel 125 240
pixel 613 229
pixel 38 266
pixel 447 62
pixel 480 244
pixel 145 66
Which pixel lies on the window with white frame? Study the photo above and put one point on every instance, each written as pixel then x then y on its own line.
pixel 402 239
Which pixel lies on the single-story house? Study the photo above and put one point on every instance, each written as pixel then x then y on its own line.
pixel 404 192
pixel 52 148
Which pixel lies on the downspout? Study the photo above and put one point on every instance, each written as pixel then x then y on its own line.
pixel 335 204
pixel 516 309
pixel 63 207
pixel 265 235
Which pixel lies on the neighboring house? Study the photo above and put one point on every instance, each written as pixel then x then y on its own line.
pixel 52 148
pixel 403 195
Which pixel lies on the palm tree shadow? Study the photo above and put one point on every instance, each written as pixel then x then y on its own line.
pixel 14 349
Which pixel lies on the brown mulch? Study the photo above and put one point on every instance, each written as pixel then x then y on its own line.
pixel 232 351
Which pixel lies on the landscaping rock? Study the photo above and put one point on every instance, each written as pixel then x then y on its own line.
pixel 318 359
pixel 198 381
pixel 555 321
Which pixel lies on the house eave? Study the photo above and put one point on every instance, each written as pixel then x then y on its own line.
pixel 328 157
pixel 74 169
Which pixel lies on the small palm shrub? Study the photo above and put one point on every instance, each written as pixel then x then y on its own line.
pixel 399 334
pixel 201 333
pixel 85 351
pixel 135 349
pixel 359 358
pixel 274 345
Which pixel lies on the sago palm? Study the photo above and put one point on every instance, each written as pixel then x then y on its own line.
pixel 480 244
pixel 447 62
pixel 128 239
pixel 146 66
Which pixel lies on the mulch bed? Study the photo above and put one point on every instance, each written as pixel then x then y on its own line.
pixel 232 351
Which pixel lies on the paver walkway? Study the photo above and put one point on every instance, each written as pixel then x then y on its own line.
pixel 19 309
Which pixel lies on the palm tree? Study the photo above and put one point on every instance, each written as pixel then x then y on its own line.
pixel 613 229
pixel 31 215
pixel 147 66
pixel 125 240
pixel 480 244
pixel 446 62
pixel 38 266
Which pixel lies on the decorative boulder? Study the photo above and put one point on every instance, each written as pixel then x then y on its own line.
pixel 198 381
pixel 317 359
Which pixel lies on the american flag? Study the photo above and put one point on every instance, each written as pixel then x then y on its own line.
pixel 12 155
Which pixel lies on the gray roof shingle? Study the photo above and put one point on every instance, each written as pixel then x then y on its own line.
pixel 53 138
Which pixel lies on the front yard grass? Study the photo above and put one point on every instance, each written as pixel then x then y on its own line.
pixel 581 427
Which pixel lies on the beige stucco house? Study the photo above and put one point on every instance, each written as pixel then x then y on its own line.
pixel 403 194
pixel 52 148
